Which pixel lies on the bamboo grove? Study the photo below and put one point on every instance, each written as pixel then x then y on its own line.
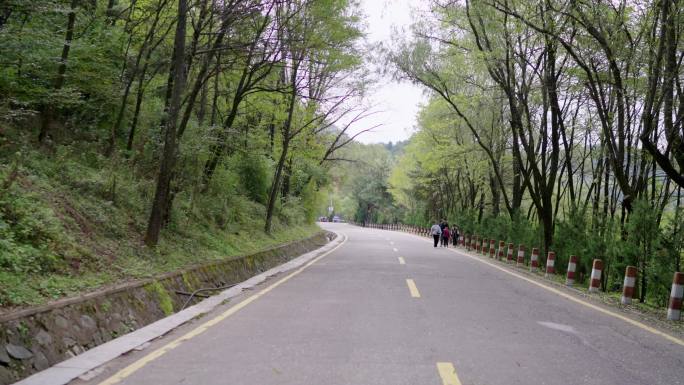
pixel 557 124
pixel 180 91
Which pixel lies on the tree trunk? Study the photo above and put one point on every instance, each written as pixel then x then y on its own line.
pixel 275 187
pixel 146 50
pixel 136 113
pixel 286 178
pixel 111 17
pixel 287 126
pixel 480 212
pixel 49 111
pixel 496 196
pixel 162 193
pixel 218 149
pixel 215 96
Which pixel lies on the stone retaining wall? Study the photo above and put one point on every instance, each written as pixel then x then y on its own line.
pixel 36 338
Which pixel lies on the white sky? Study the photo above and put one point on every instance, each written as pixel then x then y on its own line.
pixel 397 103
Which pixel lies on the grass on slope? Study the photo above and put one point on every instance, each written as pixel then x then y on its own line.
pixel 71 222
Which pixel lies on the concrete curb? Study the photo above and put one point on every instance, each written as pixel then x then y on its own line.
pixel 66 371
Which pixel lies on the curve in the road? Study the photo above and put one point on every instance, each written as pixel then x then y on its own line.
pixel 134 367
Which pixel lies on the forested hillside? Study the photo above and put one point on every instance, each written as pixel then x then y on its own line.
pixel 140 136
pixel 558 125
pixel 359 188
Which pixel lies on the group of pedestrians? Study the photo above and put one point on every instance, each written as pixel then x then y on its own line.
pixel 441 231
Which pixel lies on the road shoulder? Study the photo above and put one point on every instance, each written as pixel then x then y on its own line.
pixel 66 371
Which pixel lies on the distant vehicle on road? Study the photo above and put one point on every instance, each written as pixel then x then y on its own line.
pixel 337 219
pixel 323 219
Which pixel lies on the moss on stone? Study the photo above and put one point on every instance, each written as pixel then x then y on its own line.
pixel 163 297
pixel 105 306
pixel 186 281
pixel 23 330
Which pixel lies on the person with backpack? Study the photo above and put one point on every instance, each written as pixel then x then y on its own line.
pixel 445 236
pixel 436 232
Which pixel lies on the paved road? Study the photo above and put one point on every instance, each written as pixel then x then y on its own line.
pixel 388 308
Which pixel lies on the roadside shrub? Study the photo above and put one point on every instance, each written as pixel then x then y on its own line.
pixel 571 238
pixel 291 212
pixel 27 232
pixel 467 221
pixel 643 247
pixel 254 173
pixel 311 200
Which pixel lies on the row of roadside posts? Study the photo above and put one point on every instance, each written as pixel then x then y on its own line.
pixel 488 247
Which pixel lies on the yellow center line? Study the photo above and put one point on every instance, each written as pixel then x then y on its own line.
pixel 134 367
pixel 401 261
pixel 412 288
pixel 448 373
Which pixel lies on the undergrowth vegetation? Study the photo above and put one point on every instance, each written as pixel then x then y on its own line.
pixel 70 222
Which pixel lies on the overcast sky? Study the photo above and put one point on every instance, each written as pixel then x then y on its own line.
pixel 396 102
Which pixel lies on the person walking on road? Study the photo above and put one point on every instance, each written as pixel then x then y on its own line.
pixel 436 232
pixel 454 235
pixel 445 236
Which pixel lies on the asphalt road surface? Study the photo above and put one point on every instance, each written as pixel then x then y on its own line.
pixel 388 308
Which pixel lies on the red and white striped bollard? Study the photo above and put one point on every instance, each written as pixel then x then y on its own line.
pixel 628 285
pixel 550 264
pixel 521 255
pixel 502 246
pixel 596 269
pixel 534 259
pixel 509 254
pixel 572 268
pixel 492 248
pixel 674 308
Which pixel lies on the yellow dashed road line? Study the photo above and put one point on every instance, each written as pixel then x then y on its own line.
pixel 412 288
pixel 448 373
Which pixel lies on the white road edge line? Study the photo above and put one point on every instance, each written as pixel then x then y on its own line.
pixel 572 298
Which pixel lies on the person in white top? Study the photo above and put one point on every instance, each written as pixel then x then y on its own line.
pixel 436 232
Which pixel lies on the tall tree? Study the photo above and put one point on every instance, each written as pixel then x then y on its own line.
pixel 49 108
pixel 319 60
pixel 168 161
